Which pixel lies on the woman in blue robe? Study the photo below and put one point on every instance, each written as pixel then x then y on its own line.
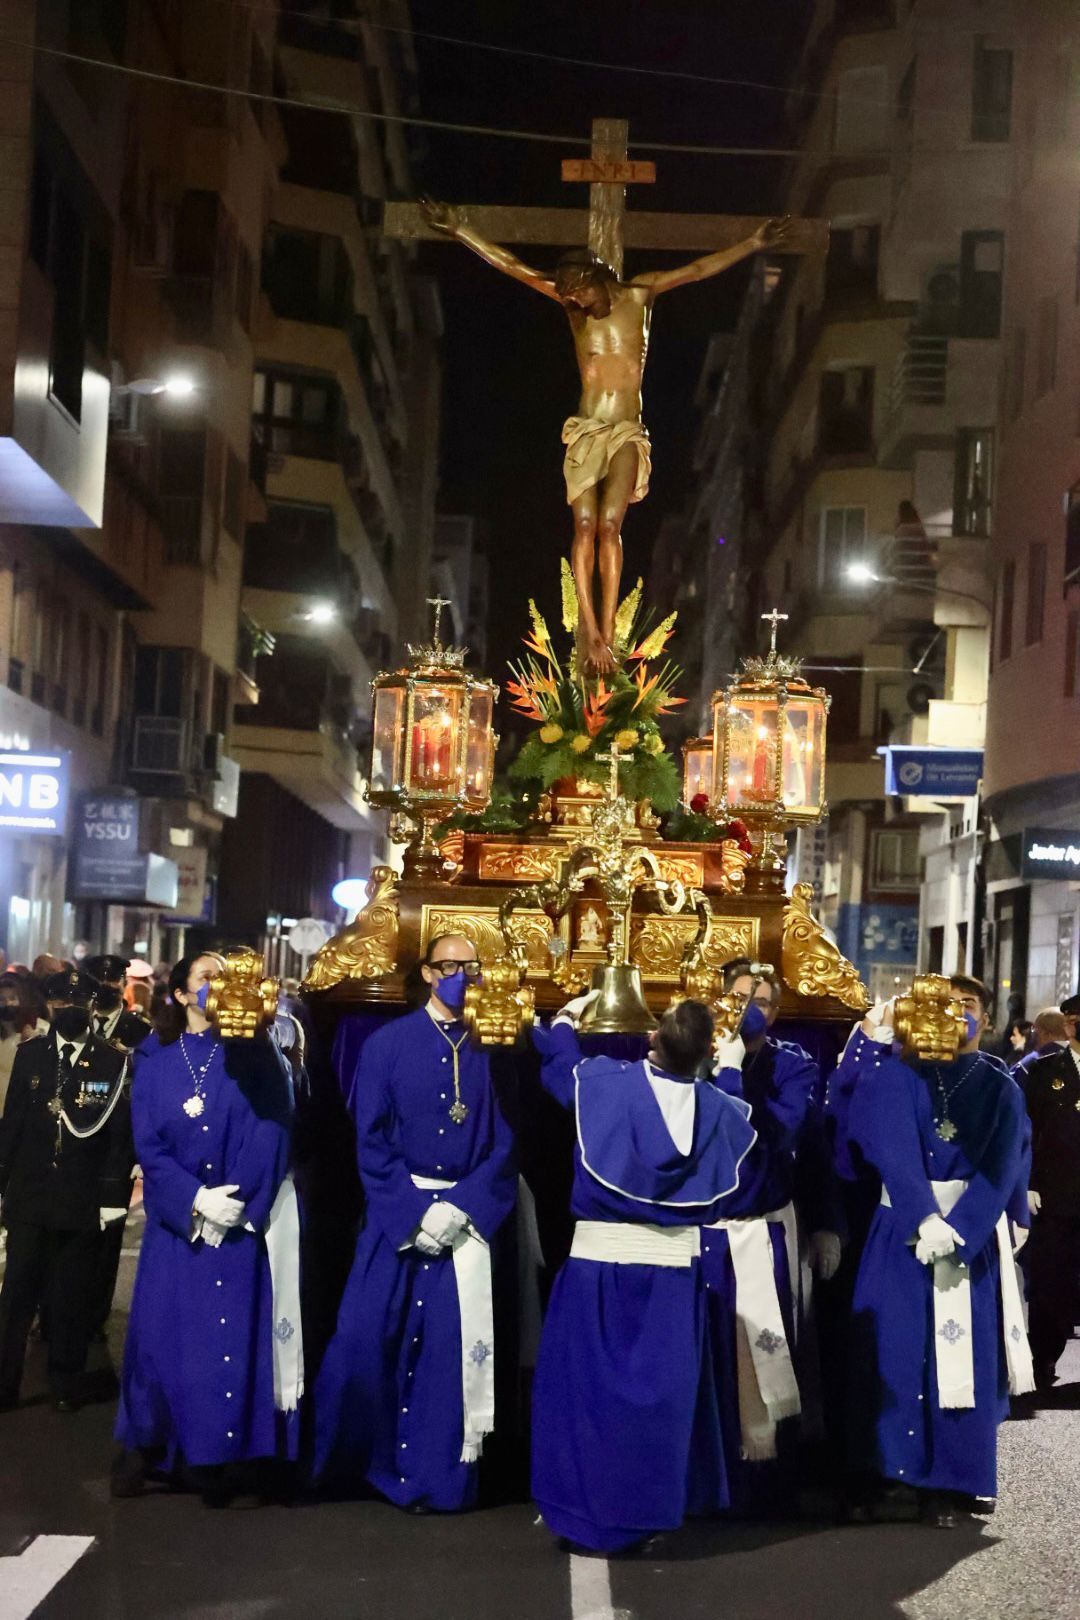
pixel 917 1125
pixel 389 1401
pixel 197 1391
pixel 626 1437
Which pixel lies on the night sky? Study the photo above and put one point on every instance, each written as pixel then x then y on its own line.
pixel 510 374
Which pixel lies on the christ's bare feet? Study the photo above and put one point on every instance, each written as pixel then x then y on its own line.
pixel 599 658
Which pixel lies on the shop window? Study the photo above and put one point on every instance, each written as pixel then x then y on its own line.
pixel 991 93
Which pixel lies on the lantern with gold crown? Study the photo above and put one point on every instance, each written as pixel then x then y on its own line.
pixel 697 753
pixel 433 744
pixel 769 751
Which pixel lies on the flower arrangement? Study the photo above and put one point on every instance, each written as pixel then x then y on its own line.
pixel 579 717
pixel 694 825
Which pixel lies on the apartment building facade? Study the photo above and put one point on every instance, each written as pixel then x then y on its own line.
pixel 196 587
pixel 876 437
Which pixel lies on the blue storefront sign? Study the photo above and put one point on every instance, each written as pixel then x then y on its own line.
pixel 34 792
pixel 933 773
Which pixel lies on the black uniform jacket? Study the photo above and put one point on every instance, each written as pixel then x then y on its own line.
pixel 131 1030
pixel 1052 1089
pixel 48 1176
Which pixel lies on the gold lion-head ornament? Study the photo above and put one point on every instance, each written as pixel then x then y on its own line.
pixel 243 999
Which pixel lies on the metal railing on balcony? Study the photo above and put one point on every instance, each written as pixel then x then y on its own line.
pixel 920 374
pixel 161 746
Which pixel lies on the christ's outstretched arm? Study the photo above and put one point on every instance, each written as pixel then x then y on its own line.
pixel 442 217
pixel 770 235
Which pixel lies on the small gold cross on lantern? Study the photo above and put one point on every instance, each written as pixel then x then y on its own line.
pixel 438 603
pixel 775 619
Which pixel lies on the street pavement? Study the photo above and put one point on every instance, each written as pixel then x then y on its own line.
pixel 68 1553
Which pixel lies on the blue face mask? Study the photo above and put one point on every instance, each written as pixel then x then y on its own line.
pixel 971 1024
pixel 451 992
pixel 202 995
pixel 755 1022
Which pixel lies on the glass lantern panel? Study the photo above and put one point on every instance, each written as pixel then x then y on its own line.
pixel 479 753
pixel 697 771
pixel 804 754
pixel 433 745
pixel 751 729
pixel 386 739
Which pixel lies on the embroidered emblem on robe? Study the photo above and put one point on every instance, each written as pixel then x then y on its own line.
pixel 951 1331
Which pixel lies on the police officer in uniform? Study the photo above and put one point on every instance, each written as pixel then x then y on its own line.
pixel 1052 1088
pixel 66 1157
pixel 112 1020
pixel 126 1029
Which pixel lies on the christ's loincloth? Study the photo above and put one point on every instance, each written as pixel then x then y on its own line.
pixel 592 446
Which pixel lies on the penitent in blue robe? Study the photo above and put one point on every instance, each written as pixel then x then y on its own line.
pixel 198 1378
pixel 626 1436
pixel 898 1430
pixel 778 1082
pixel 388 1401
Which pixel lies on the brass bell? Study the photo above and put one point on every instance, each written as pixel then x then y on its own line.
pixel 620 1008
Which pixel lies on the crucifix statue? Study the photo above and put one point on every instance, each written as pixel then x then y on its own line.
pixel 607 461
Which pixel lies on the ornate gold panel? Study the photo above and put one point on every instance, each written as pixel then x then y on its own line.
pixel 685 867
pixel 657 943
pixel 812 964
pixel 521 863
pixel 367 948
pixel 481 925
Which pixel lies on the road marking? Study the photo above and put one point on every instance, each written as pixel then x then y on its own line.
pixel 27 1580
pixel 590 1590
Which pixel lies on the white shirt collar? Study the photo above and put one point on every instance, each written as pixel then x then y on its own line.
pixel 78 1045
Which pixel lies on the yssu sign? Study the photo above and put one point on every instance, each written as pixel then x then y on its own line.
pixel 108 865
pixel 933 773
pixel 1053 855
pixel 34 792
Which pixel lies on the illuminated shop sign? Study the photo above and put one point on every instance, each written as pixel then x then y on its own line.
pixel 1054 855
pixel 34 792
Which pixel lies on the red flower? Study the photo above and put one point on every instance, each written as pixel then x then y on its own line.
pixel 699 804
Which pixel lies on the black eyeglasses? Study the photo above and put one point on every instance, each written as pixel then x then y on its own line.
pixel 448 968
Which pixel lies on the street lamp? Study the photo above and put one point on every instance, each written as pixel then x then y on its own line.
pixel 861 573
pixel 321 613
pixel 177 385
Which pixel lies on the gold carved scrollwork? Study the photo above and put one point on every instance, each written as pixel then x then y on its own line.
pixel 733 864
pixel 480 924
pixel 520 863
pixel 683 868
pixel 657 944
pixel 367 948
pixel 812 964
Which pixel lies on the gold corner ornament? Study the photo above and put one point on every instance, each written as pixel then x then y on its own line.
pixel 243 998
pixel 499 1009
pixel 929 1021
pixel 812 964
pixel 367 948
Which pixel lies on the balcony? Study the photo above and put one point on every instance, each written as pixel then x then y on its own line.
pixel 318 767
pixel 939 384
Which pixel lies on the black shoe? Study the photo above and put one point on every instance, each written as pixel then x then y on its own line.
pixel 1045 1375
pixel 127 1475
pixel 939 1512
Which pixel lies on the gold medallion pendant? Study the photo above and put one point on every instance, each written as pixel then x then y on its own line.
pixel 947 1130
pixel 459 1113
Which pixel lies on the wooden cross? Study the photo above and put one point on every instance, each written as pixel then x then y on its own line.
pixel 606 225
pixel 775 619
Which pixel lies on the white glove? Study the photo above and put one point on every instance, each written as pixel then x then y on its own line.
pixel 107 1216
pixel 443 1222
pixel 573 1010
pixel 825 1254
pixel 211 1233
pixel 1020 1237
pixel 937 1240
pixel 728 1054
pixel 878 1023
pixel 1034 1202
pixel 217 1204
pixel 427 1245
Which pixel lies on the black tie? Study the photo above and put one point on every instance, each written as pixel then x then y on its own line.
pixel 101 1024
pixel 67 1053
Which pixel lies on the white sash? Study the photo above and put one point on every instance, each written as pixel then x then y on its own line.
pixel 953 1355
pixel 282 1235
pixel 768 1388
pixel 472 1273
pixel 628 1243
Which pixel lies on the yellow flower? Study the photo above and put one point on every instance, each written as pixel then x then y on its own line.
pixel 581 743
pixel 627 739
pixel 551 732
pixel 654 743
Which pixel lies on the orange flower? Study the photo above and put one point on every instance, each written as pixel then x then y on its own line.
pixel 535 645
pixel 595 709
pixel 523 699
pixel 645 683
pixel 669 703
